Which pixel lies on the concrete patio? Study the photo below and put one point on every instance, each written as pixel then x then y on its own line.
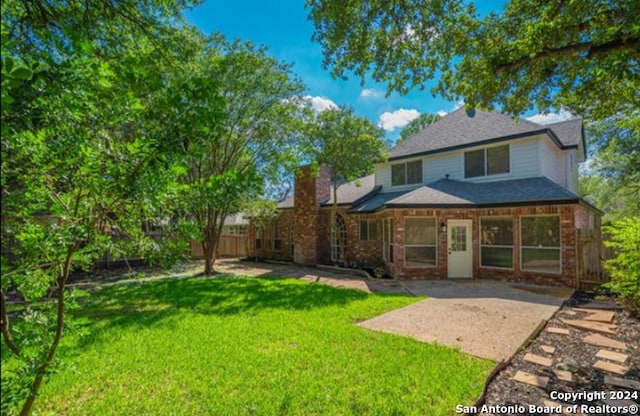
pixel 485 318
pixel 488 319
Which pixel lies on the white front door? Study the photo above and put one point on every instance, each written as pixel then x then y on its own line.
pixel 459 249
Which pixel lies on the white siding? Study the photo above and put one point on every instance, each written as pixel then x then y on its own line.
pixel 383 175
pixel 553 162
pixel 529 158
pixel 572 169
pixel 441 164
pixel 523 158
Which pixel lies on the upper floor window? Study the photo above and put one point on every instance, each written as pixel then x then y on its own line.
pixel 408 173
pixel 488 161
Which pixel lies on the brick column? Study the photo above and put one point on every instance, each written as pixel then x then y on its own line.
pixel 311 189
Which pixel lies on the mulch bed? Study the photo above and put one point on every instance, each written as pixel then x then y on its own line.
pixel 570 351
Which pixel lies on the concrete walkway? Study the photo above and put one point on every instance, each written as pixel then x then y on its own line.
pixel 483 318
pixel 346 279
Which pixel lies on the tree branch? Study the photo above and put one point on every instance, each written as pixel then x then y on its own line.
pixel 632 43
pixel 6 332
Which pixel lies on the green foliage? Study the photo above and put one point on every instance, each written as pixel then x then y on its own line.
pixel 579 55
pixel 612 177
pixel 78 163
pixel 624 268
pixel 418 124
pixel 347 144
pixel 246 345
pixel 232 124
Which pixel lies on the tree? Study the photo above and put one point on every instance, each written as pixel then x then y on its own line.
pixel 232 114
pixel 625 266
pixel 418 124
pixel 75 158
pixel 579 55
pixel 348 146
pixel 612 176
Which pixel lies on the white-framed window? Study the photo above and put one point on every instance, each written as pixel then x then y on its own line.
pixel 420 242
pixel 406 173
pixel 541 243
pixel 496 242
pixel 338 239
pixel 487 161
pixel 368 230
pixel 387 239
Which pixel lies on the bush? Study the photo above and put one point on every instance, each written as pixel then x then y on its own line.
pixel 624 268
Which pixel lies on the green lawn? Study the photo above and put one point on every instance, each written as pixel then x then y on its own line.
pixel 236 346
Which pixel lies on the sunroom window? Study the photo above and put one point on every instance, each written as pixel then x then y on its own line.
pixel 420 242
pixel 541 243
pixel 496 242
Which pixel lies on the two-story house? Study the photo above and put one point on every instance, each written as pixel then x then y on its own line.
pixel 475 195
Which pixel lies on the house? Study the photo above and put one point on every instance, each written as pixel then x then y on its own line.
pixel 475 195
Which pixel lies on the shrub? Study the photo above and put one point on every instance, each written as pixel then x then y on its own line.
pixel 624 268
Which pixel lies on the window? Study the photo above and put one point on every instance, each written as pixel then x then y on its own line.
pixel 387 240
pixel 277 239
pixel 408 173
pixel 338 239
pixel 540 238
pixel 420 236
pixel 368 230
pixel 489 161
pixel 496 242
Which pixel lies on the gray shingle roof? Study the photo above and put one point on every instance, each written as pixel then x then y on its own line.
pixel 569 132
pixel 443 193
pixel 460 129
pixel 348 193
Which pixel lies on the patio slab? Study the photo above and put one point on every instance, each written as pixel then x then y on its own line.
pixel 488 319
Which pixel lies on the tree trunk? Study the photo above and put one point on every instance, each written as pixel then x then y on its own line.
pixel 209 244
pixel 51 353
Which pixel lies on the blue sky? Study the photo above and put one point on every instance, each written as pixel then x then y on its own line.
pixel 283 27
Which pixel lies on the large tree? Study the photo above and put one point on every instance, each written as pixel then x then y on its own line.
pixel 580 55
pixel 232 113
pixel 349 146
pixel 76 155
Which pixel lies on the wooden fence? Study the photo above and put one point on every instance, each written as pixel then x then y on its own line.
pixel 228 246
pixel 590 256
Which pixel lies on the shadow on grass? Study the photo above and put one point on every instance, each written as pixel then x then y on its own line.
pixel 148 303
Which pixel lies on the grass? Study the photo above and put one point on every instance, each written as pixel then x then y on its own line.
pixel 245 346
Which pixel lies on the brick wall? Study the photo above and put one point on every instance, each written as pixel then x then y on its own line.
pixel 311 189
pixel 566 215
pixel 311 229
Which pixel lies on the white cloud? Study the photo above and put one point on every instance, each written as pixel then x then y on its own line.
pixel 320 104
pixel 371 93
pixel 551 118
pixel 399 118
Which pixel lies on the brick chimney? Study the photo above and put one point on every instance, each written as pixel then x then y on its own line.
pixel 311 189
